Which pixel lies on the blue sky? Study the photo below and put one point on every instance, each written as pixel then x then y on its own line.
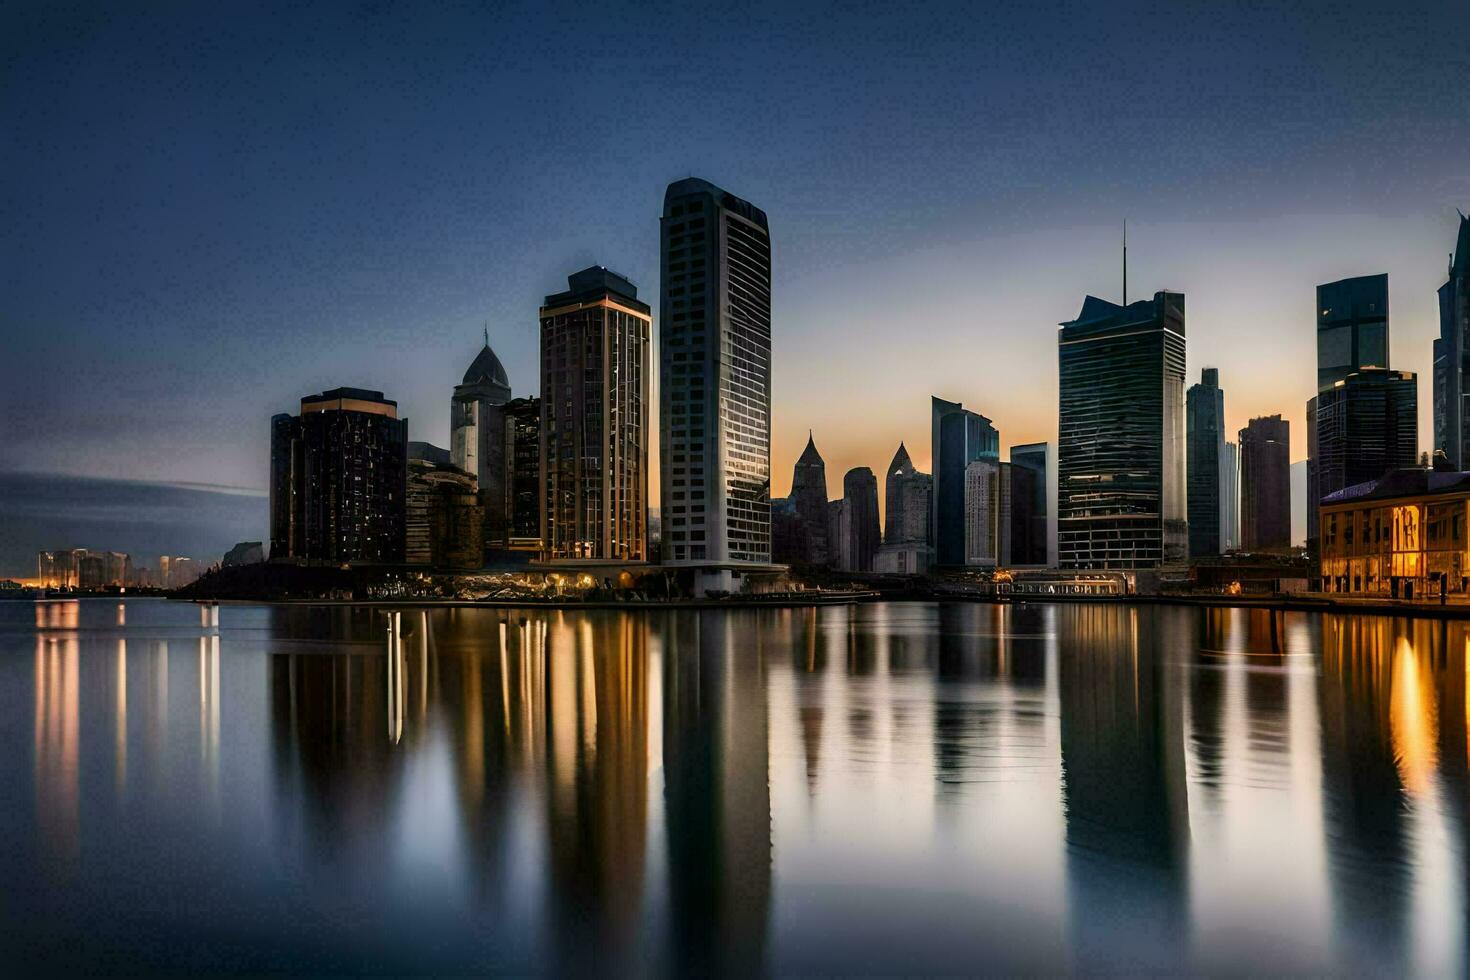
pixel 210 210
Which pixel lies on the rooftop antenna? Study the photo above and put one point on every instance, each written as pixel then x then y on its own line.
pixel 1125 261
pixel 487 333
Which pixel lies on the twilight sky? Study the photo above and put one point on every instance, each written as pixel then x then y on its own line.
pixel 209 210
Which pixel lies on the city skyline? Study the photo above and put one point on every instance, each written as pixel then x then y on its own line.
pixel 184 205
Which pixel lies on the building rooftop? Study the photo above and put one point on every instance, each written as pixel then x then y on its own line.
pixel 486 367
pixel 726 200
pixel 1403 483
pixel 596 282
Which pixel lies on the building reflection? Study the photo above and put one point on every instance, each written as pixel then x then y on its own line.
pixel 57 741
pixel 1122 738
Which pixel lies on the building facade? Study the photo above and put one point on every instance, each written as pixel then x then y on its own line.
pixel 1366 425
pixel 715 377
pixel 1035 547
pixel 1120 447
pixel 1204 412
pixel 809 498
pixel 1452 356
pixel 1265 484
pixel 982 513
pixel 595 363
pixel 444 518
pixel 1402 535
pixel 338 480
pixel 522 481
pixel 958 437
pixel 1230 498
pixel 861 536
pixel 477 435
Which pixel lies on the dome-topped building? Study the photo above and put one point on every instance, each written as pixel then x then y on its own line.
pixel 477 434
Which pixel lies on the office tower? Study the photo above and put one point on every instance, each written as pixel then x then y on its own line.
pixel 982 512
pixel 165 572
pixel 444 518
pixel 958 438
pixel 1230 498
pixel 1352 336
pixel 1265 484
pixel 839 529
pixel 338 473
pixel 1452 356
pixel 522 504
pixel 1030 504
pixel 862 537
pixel 1205 418
pixel 715 378
pixel 809 496
pixel 1120 449
pixel 1016 520
pixel 908 496
pixel 1367 425
pixel 595 363
pixel 477 435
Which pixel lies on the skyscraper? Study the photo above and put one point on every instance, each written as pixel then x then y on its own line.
pixel 1032 548
pixel 1265 484
pixel 1452 356
pixel 860 496
pixel 522 473
pixel 1230 498
pixel 958 438
pixel 809 496
pixel 1364 418
pixel 595 363
pixel 908 509
pixel 982 513
pixel 715 379
pixel 477 435
pixel 1205 418
pixel 338 473
pixel 1120 447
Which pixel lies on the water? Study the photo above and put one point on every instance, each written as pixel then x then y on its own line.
pixel 885 788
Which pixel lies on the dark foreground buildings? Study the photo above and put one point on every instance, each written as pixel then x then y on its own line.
pixel 958 437
pixel 1452 356
pixel 595 365
pixel 715 381
pixel 338 472
pixel 1120 450
pixel 1265 484
pixel 1030 534
pixel 1205 421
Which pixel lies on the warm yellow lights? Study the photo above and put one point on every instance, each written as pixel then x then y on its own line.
pixel 1413 719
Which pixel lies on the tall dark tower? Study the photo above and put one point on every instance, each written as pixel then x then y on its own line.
pixel 477 435
pixel 1120 445
pixel 1265 484
pixel 1452 356
pixel 1205 417
pixel 860 493
pixel 958 437
pixel 809 496
pixel 715 380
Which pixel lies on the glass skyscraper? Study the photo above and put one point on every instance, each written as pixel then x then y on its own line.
pixel 1452 356
pixel 1265 484
pixel 1034 546
pixel 1205 418
pixel 715 378
pixel 1120 447
pixel 959 437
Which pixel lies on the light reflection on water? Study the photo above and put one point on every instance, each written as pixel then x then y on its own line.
pixel 886 788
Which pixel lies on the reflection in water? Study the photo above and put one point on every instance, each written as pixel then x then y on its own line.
pixel 908 788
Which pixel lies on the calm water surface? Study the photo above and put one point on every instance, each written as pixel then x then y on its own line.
pixel 886 788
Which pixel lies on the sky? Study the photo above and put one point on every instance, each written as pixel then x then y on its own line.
pixel 210 210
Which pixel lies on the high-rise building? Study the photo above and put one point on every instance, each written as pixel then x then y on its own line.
pixel 809 496
pixel 522 504
pixel 1367 424
pixel 1230 498
pixel 595 363
pixel 908 496
pixel 1205 418
pixel 1120 448
pixel 715 379
pixel 477 435
pixel 982 513
pixel 338 473
pixel 444 517
pixel 1029 503
pixel 1452 357
pixel 958 438
pixel 1352 336
pixel 1265 484
pixel 839 530
pixel 861 536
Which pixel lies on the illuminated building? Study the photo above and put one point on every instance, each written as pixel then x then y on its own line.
pixel 594 434
pixel 1265 484
pixel 908 500
pixel 1032 542
pixel 1398 536
pixel 337 480
pixel 715 380
pixel 443 517
pixel 1205 419
pixel 81 568
pixel 1452 356
pixel 477 434
pixel 958 438
pixel 1120 448
pixel 522 505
